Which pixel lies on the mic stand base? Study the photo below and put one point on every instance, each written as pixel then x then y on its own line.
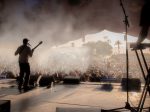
pixel 127 107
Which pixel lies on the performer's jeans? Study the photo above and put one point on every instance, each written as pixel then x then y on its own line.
pixel 24 74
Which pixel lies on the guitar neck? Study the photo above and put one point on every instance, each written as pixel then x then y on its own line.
pixel 35 47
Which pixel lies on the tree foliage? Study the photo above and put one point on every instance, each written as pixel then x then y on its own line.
pixel 99 48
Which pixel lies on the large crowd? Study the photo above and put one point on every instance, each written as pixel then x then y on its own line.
pixel 113 69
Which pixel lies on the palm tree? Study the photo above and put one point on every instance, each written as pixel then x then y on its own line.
pixel 108 41
pixel 118 45
pixel 83 39
pixel 72 44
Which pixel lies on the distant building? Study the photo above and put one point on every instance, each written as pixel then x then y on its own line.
pixel 105 36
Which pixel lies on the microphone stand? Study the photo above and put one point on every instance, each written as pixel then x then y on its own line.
pixel 126 22
pixel 127 105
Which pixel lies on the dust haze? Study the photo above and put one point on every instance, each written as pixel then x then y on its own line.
pixel 56 22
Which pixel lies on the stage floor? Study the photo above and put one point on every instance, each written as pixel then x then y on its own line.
pixel 60 98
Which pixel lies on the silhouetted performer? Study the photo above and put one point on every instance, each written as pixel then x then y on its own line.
pixel 24 52
pixel 144 21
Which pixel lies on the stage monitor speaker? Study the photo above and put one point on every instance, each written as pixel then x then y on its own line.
pixel 46 80
pixel 107 87
pixel 5 105
pixel 71 80
pixel 134 84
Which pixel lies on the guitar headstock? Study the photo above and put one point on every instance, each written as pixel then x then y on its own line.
pixel 40 42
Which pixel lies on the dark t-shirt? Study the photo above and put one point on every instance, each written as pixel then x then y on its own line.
pixel 24 53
